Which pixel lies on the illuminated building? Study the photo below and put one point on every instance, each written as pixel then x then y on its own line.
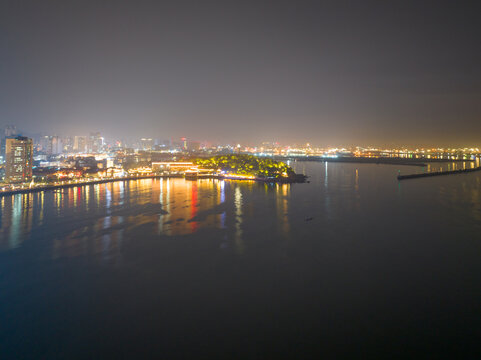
pixel 95 142
pixel 80 144
pixel 52 145
pixel 109 163
pixel 19 159
pixel 147 144
pixel 172 167
pixel 67 144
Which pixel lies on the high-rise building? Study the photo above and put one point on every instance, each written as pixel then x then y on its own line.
pixel 95 142
pixel 10 130
pixel 18 159
pixel 67 144
pixel 80 144
pixel 52 145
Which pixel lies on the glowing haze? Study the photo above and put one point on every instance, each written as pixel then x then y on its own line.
pixel 325 72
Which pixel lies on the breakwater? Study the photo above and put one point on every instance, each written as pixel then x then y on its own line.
pixel 438 173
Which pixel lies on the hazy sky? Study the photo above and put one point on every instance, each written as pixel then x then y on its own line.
pixel 327 72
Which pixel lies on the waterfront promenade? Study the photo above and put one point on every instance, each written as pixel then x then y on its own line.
pixel 81 183
pixel 299 178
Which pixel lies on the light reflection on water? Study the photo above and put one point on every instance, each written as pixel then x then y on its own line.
pixel 443 166
pixel 172 260
pixel 96 219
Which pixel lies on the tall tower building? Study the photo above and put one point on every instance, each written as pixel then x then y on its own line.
pixel 18 159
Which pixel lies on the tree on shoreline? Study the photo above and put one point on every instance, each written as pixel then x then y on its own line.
pixel 247 165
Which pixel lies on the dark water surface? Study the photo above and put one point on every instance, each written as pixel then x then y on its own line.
pixel 352 264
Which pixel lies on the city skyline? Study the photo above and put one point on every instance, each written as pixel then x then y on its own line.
pixel 268 179
pixel 318 72
pixel 164 139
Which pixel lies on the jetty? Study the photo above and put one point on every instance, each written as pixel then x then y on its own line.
pixel 438 173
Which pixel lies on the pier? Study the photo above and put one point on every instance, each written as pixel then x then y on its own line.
pixel 438 173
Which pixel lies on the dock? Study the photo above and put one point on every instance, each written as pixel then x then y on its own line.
pixel 438 173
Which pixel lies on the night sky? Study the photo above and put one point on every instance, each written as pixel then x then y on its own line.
pixel 325 72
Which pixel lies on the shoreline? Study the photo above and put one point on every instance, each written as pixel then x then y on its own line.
pixel 95 182
pixel 300 178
